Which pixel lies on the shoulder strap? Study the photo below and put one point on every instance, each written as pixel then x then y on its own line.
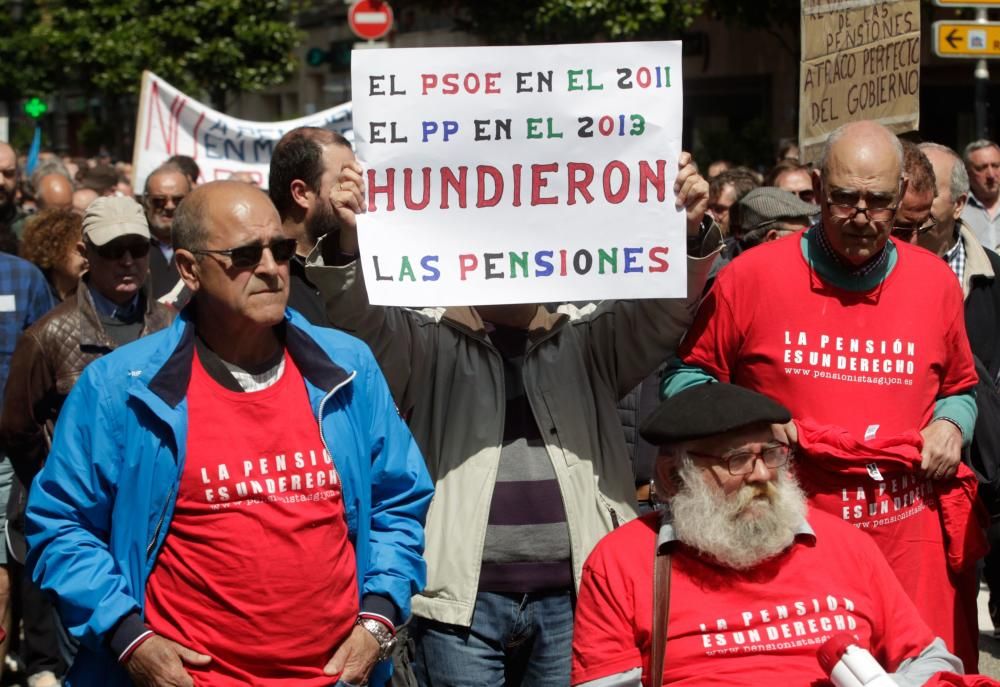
pixel 661 614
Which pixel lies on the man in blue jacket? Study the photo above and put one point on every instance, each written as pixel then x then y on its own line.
pixel 234 500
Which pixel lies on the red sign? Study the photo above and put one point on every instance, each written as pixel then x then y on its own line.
pixel 370 19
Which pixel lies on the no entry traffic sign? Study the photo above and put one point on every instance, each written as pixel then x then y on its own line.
pixel 370 19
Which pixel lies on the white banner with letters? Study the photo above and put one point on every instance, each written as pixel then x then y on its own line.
pixel 520 175
pixel 172 123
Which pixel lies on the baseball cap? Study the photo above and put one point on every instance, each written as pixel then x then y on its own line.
pixel 109 218
pixel 769 204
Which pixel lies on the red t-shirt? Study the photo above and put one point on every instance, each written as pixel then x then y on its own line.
pixel 256 570
pixel 873 363
pixel 730 627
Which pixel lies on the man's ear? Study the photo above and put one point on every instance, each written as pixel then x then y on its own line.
pixel 817 180
pixel 771 235
pixel 960 205
pixel 188 268
pixel 302 195
pixel 81 248
pixel 666 476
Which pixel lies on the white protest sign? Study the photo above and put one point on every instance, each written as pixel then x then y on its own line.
pixel 520 175
pixel 172 123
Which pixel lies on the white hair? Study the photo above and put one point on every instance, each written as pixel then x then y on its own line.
pixel 724 528
pixel 958 184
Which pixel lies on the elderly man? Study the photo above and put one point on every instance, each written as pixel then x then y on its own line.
pixel 982 212
pixel 766 214
pixel 305 165
pixel 791 176
pixel 515 410
pixel 832 335
pixel 189 532
pixel 110 308
pixel 54 190
pixel 165 188
pixel 755 580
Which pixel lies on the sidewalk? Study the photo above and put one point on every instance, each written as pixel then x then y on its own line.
pixel 989 646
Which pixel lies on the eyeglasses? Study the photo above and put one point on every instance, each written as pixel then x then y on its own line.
pixel 245 257
pixel 904 233
pixel 878 207
pixel 806 195
pixel 160 202
pixel 115 250
pixel 743 463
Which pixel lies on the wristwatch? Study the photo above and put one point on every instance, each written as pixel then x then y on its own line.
pixel 386 640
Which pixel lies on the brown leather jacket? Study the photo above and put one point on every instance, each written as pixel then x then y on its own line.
pixel 48 360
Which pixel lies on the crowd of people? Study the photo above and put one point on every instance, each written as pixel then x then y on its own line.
pixel 222 465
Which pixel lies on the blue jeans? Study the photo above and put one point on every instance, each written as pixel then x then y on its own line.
pixel 515 639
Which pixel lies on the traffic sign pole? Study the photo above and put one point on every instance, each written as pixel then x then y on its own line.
pixel 982 79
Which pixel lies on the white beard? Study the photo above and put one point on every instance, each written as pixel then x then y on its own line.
pixel 742 529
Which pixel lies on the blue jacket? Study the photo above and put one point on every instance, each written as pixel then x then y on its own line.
pixel 101 507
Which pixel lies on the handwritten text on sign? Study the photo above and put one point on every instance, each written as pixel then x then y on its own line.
pixel 172 123
pixel 516 175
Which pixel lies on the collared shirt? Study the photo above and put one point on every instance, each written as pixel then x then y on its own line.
pixel 869 267
pixel 986 228
pixel 24 298
pixel 956 259
pixel 165 248
pixel 106 308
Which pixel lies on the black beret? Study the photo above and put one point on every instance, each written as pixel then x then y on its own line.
pixel 707 410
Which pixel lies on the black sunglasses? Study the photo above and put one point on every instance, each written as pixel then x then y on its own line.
pixel 115 250
pixel 245 257
pixel 160 202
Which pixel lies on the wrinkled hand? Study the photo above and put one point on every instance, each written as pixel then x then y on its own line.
pixel 348 200
pixel 355 658
pixel 787 433
pixel 942 450
pixel 691 190
pixel 159 662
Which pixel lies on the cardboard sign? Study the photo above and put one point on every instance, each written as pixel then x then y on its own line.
pixel 520 175
pixel 172 123
pixel 860 60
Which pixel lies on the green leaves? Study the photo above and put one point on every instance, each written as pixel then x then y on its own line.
pixel 213 46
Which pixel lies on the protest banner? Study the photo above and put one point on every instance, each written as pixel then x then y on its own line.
pixel 520 175
pixel 860 60
pixel 172 123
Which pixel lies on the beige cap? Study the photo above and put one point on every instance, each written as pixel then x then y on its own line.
pixel 109 218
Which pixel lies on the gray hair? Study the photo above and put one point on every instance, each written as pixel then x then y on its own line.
pixel 978 145
pixel 958 185
pixel 166 168
pixel 188 230
pixel 839 132
pixel 46 167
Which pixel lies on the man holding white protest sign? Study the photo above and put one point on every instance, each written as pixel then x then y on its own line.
pixel 514 407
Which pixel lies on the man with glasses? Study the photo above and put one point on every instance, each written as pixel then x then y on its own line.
pixel 111 308
pixel 757 581
pixel 834 332
pixel 234 500
pixel 165 188
pixel 913 218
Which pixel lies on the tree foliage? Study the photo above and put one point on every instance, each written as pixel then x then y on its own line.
pixel 533 21
pixel 102 46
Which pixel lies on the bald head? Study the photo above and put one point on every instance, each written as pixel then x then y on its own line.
pixel 210 205
pixel 54 191
pixel 867 144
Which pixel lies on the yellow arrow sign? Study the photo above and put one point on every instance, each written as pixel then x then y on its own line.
pixel 967 3
pixel 966 39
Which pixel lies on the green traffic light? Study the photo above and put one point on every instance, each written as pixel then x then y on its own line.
pixel 315 57
pixel 35 108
